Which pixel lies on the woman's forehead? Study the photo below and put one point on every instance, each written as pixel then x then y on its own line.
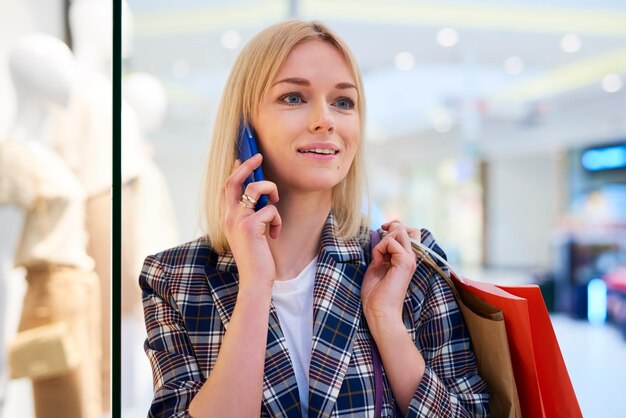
pixel 315 58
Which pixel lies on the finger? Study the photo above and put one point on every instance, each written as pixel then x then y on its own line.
pixel 395 225
pixel 402 236
pixel 258 188
pixel 234 182
pixel 392 250
pixel 382 248
pixel 386 225
pixel 401 258
pixel 269 215
pixel 415 233
pixel 224 190
pixel 378 254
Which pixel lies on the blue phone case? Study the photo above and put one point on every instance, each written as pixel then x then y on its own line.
pixel 247 149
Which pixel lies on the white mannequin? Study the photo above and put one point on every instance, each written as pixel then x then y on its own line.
pixel 148 217
pixel 36 89
pixel 37 180
pixel 42 67
pixel 29 122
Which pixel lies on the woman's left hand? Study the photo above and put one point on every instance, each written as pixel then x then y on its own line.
pixel 388 275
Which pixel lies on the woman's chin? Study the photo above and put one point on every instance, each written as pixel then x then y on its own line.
pixel 315 185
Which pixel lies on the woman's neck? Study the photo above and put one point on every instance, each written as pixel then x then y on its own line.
pixel 303 217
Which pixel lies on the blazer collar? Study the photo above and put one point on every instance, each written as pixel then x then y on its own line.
pixel 336 317
pixel 343 251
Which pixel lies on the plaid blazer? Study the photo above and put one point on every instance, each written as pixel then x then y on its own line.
pixel 189 294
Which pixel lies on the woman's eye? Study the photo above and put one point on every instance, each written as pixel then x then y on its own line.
pixel 291 99
pixel 345 103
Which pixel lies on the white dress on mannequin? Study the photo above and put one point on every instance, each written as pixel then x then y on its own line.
pixel 37 180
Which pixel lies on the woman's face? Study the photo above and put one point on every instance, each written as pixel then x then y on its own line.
pixel 308 125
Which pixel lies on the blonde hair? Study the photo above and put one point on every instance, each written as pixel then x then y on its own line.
pixel 248 83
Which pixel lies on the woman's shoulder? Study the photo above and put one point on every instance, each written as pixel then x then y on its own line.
pixel 188 256
pixel 179 271
pixel 428 239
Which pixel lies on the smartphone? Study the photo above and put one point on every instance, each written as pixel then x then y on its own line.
pixel 247 147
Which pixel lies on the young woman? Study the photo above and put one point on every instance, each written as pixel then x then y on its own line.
pixel 275 312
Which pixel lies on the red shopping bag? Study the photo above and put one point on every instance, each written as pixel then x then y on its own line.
pixel 543 383
pixel 557 393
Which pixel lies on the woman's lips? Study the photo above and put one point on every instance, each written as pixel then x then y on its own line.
pixel 319 156
pixel 319 151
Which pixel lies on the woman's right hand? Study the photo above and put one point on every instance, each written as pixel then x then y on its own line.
pixel 245 229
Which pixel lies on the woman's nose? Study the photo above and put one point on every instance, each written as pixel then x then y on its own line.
pixel 322 119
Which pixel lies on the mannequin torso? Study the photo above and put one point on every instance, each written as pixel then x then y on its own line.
pixel 32 176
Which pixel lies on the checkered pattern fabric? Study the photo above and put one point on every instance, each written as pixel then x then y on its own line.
pixel 189 294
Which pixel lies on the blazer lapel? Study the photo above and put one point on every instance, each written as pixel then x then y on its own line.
pixel 336 317
pixel 280 389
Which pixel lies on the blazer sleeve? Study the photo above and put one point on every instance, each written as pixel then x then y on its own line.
pixel 451 386
pixel 177 376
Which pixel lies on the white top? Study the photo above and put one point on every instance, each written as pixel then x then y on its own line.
pixel 293 300
pixel 37 180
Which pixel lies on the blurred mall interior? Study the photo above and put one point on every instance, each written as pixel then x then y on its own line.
pixel 500 126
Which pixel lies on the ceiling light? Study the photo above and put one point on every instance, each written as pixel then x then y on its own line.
pixel 404 61
pixel 230 39
pixel 571 43
pixel 584 72
pixel 612 83
pixel 447 37
pixel 513 65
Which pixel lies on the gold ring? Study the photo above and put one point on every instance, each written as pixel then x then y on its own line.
pixel 246 205
pixel 248 198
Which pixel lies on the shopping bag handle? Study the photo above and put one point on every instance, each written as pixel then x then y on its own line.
pixel 433 253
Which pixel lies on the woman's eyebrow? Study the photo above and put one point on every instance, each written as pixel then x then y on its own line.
pixel 294 80
pixel 306 83
pixel 345 86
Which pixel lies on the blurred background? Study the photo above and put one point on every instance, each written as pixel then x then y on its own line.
pixel 500 126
